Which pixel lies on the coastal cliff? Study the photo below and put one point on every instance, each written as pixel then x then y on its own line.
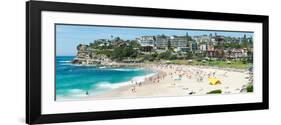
pixel 116 53
pixel 87 56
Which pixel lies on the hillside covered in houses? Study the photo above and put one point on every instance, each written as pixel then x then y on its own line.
pixel 211 49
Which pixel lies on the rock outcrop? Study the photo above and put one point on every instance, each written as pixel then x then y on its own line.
pixel 87 56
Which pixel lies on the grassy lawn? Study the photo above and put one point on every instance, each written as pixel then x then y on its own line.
pixel 218 91
pixel 232 64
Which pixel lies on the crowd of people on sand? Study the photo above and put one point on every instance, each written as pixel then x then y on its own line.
pixel 174 72
pixel 148 80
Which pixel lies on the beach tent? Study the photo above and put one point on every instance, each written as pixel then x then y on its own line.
pixel 214 81
pixel 178 78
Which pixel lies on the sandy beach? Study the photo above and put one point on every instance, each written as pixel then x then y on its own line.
pixel 179 80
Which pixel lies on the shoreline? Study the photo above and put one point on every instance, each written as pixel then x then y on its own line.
pixel 134 65
pixel 107 86
pixel 164 83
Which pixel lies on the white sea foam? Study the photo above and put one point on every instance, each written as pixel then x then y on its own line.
pixel 66 64
pixel 78 65
pixel 102 67
pixel 107 85
pixel 142 78
pixel 76 92
pixel 65 61
pixel 102 86
pixel 128 69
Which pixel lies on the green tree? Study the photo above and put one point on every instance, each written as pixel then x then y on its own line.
pixel 104 52
pixel 250 56
pixel 117 53
pixel 169 45
pixel 172 57
pixel 188 38
pixel 149 57
pixel 189 55
pixel 117 38
pixel 78 47
pixel 245 42
pixel 134 44
pixel 155 55
pixel 165 55
pixel 120 53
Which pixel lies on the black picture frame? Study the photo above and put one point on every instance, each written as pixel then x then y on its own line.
pixel 33 61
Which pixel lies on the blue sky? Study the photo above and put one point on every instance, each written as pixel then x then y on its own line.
pixel 69 36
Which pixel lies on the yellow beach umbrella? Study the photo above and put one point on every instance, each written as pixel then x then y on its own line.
pixel 214 81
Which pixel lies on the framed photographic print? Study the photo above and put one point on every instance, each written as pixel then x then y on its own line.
pixel 95 62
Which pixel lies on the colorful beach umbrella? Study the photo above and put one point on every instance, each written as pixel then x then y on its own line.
pixel 214 81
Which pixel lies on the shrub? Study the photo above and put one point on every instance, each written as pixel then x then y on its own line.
pixel 149 57
pixel 173 57
pixel 218 91
pixel 165 55
pixel 250 88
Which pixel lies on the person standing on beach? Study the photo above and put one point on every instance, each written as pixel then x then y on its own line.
pixel 134 89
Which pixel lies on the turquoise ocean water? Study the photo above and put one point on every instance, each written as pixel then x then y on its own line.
pixel 73 81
